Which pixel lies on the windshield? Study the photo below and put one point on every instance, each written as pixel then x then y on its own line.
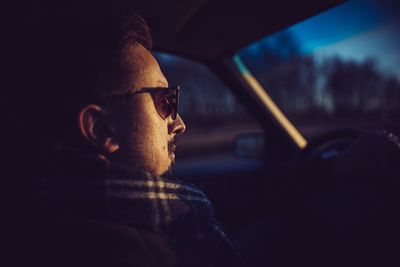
pixel 338 69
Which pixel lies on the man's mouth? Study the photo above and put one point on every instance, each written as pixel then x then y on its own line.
pixel 171 148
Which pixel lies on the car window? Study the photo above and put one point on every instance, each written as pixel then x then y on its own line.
pixel 338 69
pixel 214 117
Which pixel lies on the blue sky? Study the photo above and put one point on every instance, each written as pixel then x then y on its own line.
pixel 357 30
pixel 342 22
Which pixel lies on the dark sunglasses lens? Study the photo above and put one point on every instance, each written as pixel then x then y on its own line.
pixel 167 103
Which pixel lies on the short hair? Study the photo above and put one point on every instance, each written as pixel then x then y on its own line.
pixel 69 61
pixel 136 30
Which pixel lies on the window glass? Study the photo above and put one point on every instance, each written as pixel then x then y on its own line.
pixel 212 114
pixel 337 69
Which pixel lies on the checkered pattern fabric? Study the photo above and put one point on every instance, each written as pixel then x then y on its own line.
pixel 175 209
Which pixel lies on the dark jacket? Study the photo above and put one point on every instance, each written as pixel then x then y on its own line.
pixel 92 243
pixel 116 216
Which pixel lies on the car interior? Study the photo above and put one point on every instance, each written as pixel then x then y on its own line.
pixel 286 196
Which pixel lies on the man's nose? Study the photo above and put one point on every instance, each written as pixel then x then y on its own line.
pixel 177 126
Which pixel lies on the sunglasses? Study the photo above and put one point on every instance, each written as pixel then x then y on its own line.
pixel 165 99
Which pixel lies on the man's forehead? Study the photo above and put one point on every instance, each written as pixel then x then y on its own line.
pixel 142 63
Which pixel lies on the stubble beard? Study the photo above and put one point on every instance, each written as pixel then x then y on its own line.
pixel 169 174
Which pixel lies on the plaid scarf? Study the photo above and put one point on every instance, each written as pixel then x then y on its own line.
pixel 175 209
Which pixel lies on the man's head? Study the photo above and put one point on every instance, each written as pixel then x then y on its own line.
pixel 92 74
pixel 129 128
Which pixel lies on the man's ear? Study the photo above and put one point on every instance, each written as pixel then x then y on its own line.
pixel 96 130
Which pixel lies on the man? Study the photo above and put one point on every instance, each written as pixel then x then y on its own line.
pixel 103 123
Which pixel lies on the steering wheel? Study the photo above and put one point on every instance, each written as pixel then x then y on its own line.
pixel 328 145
